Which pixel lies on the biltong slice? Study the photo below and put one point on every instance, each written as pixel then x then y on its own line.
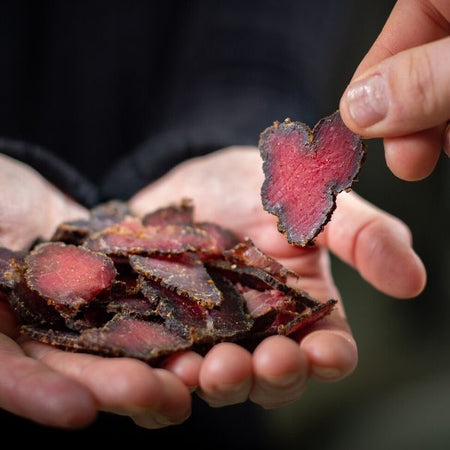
pixel 176 214
pixel 305 170
pixel 183 315
pixel 256 278
pixel 245 253
pixel 67 276
pixel 223 238
pixel 121 336
pixel 151 240
pixel 136 306
pixel 100 217
pixel 230 320
pixel 31 307
pixel 185 274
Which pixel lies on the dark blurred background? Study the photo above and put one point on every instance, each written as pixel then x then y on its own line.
pixel 399 396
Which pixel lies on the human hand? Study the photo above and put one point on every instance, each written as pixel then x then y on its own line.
pixel 401 89
pixel 57 388
pixel 225 187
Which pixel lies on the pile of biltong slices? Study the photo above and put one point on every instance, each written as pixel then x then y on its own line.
pixel 120 285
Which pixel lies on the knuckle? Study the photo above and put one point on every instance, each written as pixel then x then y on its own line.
pixel 421 85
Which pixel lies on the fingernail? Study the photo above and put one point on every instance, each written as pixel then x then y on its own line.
pixel 367 100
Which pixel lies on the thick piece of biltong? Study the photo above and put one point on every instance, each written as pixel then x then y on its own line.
pixel 118 285
pixel 305 170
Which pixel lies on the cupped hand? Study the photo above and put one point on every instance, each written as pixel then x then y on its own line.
pixel 401 89
pixel 57 388
pixel 225 187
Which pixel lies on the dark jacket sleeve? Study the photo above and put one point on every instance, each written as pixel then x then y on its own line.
pixel 54 169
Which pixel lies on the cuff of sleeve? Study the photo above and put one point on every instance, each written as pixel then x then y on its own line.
pixel 53 169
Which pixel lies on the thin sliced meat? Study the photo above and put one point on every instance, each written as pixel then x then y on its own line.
pixel 137 306
pixel 177 214
pixel 223 238
pixel 184 316
pixel 122 336
pixel 259 279
pixel 230 320
pixel 260 303
pixel 185 275
pixel 305 170
pixel 245 253
pixel 157 240
pixel 68 276
pixel 101 217
pixel 31 307
pixel 288 323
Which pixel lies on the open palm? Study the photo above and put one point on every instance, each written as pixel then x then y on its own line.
pixel 57 388
pixel 225 187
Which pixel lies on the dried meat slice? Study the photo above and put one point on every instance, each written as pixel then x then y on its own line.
pixel 122 336
pixel 31 307
pixel 230 321
pixel 126 336
pixel 151 240
pixel 277 313
pixel 182 315
pixel 305 170
pixel 186 275
pixel 177 214
pixel 136 306
pixel 68 276
pixel 261 280
pixel 245 253
pixel 260 303
pixel 100 217
pixel 224 238
pixel 93 315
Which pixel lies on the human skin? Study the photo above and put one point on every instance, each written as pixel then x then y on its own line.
pixel 225 187
pixel 57 388
pixel 401 89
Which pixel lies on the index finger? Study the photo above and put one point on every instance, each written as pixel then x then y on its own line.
pixel 410 24
pixel 377 244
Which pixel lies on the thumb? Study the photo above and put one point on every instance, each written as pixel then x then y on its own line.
pixel 404 94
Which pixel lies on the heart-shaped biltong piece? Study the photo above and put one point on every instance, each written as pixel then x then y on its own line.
pixel 304 171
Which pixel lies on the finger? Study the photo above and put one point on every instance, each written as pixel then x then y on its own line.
pixel 280 372
pixel 169 412
pixel 328 344
pixel 410 24
pixel 226 375
pixel 377 244
pixel 121 385
pixel 414 157
pixel 405 93
pixel 186 366
pixel 331 349
pixel 30 389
